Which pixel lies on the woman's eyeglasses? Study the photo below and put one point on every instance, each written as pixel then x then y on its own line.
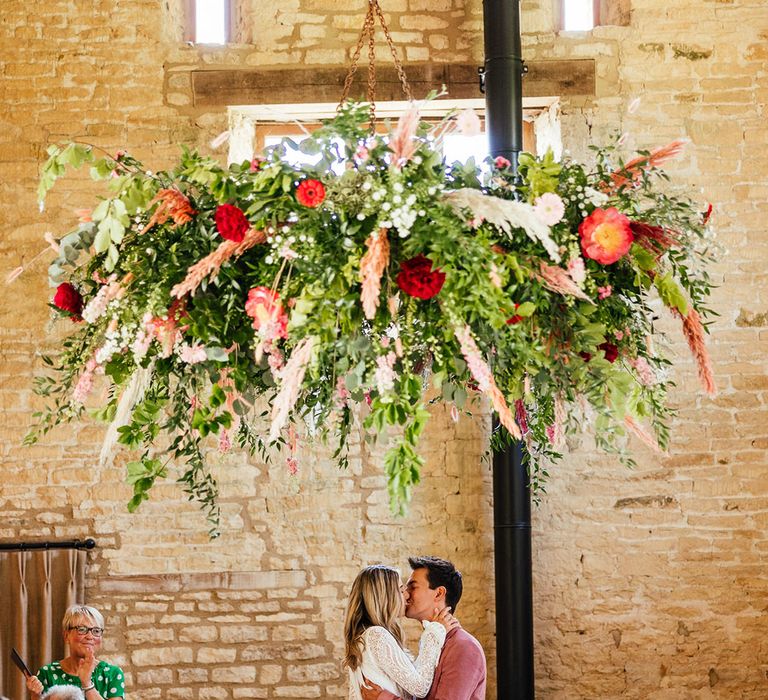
pixel 82 630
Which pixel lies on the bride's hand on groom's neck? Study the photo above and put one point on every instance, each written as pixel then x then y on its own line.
pixel 445 618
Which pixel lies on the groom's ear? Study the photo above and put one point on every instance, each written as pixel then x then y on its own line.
pixel 440 592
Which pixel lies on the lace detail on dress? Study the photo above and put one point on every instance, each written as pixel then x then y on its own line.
pixel 415 677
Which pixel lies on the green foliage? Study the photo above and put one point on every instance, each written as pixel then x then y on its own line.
pixel 204 361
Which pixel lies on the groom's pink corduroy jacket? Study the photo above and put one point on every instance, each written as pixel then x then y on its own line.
pixel 460 673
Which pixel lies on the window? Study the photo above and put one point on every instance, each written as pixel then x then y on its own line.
pixel 455 147
pixel 579 15
pixel 209 21
pixel 254 128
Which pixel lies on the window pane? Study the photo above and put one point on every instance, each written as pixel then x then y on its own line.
pixel 462 148
pixel 210 22
pixel 578 15
pixel 297 158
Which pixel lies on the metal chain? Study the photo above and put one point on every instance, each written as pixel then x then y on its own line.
pixel 368 30
pixel 390 43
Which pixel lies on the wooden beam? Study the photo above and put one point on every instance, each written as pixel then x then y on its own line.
pixel 233 86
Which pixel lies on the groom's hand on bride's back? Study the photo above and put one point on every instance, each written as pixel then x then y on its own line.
pixel 371 691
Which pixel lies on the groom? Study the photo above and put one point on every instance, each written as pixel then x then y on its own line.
pixel 460 675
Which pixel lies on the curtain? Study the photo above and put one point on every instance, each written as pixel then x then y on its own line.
pixel 36 587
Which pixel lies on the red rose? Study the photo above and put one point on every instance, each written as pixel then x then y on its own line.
pixel 231 222
pixel 610 351
pixel 68 299
pixel 310 193
pixel 418 279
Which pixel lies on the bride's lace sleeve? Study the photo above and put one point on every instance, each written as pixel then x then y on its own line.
pixel 412 676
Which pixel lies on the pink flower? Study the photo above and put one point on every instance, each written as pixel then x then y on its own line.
pixel 454 413
pixel 341 400
pixel 192 354
pixel 275 360
pixel 385 375
pixel 604 292
pixel 266 310
pixel 293 465
pixel 361 154
pixel 549 208
pixel 225 443
pixel 576 270
pixel 476 221
pixel 468 123
pixel 85 382
pixel 501 162
pixel 645 373
pixel 495 277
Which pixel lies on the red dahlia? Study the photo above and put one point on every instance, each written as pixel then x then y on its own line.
pixel 68 299
pixel 418 279
pixel 310 193
pixel 231 222
pixel 610 351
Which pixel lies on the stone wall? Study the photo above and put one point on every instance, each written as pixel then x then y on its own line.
pixel 648 584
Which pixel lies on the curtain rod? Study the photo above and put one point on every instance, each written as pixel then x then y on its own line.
pixel 24 546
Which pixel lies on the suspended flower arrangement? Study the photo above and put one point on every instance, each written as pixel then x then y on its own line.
pixel 205 294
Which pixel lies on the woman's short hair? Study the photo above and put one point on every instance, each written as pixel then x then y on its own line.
pixel 375 600
pixel 63 692
pixel 77 611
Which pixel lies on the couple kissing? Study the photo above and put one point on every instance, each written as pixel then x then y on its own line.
pixel 450 664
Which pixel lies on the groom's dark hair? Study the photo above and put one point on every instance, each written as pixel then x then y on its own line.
pixel 441 572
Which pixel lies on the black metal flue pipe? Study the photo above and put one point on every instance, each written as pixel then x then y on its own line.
pixel 503 75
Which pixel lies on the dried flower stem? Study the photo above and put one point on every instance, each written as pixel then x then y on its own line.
pixel 694 335
pixel 372 266
pixel 482 374
pixel 212 263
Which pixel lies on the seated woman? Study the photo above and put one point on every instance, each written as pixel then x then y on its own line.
pixel 374 640
pixel 83 628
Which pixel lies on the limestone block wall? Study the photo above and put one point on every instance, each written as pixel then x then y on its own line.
pixel 648 584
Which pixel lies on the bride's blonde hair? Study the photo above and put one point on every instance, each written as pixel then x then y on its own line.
pixel 375 600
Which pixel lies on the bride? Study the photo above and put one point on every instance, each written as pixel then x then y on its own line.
pixel 374 640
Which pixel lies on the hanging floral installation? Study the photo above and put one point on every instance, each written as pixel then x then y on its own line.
pixel 244 304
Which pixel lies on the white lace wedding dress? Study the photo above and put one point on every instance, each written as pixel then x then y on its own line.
pixel 387 664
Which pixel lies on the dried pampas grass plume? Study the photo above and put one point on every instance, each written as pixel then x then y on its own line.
pixel 292 376
pixel 506 215
pixel 558 280
pixel 694 335
pixel 633 169
pixel 641 432
pixel 212 263
pixel 402 141
pixel 132 394
pixel 372 266
pixel 482 374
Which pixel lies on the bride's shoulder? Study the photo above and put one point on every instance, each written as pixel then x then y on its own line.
pixel 376 632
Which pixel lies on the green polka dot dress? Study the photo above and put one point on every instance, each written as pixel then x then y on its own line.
pixel 109 680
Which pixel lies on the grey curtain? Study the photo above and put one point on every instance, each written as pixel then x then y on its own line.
pixel 36 587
